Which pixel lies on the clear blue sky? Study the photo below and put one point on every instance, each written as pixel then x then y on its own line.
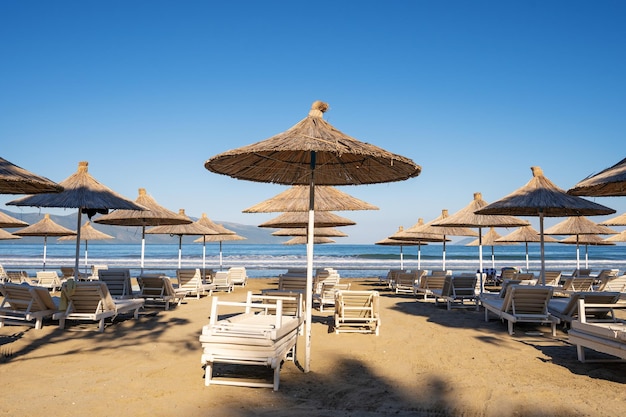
pixel 476 92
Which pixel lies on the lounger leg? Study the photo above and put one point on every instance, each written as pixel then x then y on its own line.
pixel 62 323
pixel 486 315
pixel 39 323
pixel 276 377
pixel 511 332
pixel 101 325
pixel 581 353
pixel 208 373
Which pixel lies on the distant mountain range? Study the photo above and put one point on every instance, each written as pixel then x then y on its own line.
pixel 121 234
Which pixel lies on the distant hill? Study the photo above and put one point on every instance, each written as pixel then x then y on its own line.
pixel 253 234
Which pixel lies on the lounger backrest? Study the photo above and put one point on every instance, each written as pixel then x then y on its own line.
pixel 292 301
pixel 593 297
pixel 95 271
pixel 189 279
pixel 553 278
pixel 17 297
pixel 154 285
pixel 118 281
pixel 48 279
pixel 90 297
pixel 292 282
pixel 578 284
pixel 357 304
pixel 18 277
pixel 464 286
pixel 527 299
pixel 616 284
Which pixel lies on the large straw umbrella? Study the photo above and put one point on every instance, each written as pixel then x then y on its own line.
pixel 415 234
pixel 296 199
pixel 4 235
pixel 587 240
pixel 313 152
pixel 491 239
pixel 389 241
pixel 223 234
pixel 300 219
pixel 81 191
pixel 615 221
pixel 610 182
pixel 303 240
pixel 45 227
pixel 87 233
pixel 17 180
pixel 302 231
pixel 468 217
pixel 155 215
pixel 9 222
pixel 525 234
pixel 541 197
pixel 578 226
pixel 180 230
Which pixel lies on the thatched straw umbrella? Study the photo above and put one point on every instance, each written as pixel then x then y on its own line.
pixel 17 180
pixel 223 234
pixel 45 227
pixel 587 240
pixel 302 240
pixel 541 197
pixel 180 230
pixel 490 239
pixel 610 182
pixel 525 234
pixel 468 217
pixel 155 215
pixel 299 219
pixel 578 226
pixel 302 231
pixel 4 235
pixel 620 237
pixel 296 199
pixel 417 240
pixel 81 191
pixel 434 234
pixel 10 222
pixel 615 221
pixel 313 152
pixel 87 233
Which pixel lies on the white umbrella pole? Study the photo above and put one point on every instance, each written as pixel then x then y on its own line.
pixel 444 252
pixel 419 256
pixel 401 258
pixel 309 267
pixel 45 244
pixel 577 254
pixel 143 244
pixel 77 257
pixel 180 250
pixel 586 256
pixel 493 258
pixel 203 252
pixel 541 242
pixel 480 257
pixel 86 250
pixel 527 264
pixel 220 255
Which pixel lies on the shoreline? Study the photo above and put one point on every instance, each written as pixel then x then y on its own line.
pixel 427 361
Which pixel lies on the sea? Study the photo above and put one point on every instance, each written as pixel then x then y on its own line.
pixel 270 260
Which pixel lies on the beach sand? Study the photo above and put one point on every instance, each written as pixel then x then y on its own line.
pixel 427 361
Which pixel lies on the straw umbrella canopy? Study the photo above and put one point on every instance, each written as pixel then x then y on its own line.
pixel 578 226
pixel 45 227
pixel 615 221
pixel 296 199
pixel 302 231
pixel 620 237
pixel 302 240
pixel 610 182
pixel 300 219
pixel 491 239
pixel 541 197
pixel 313 152
pixel 81 191
pixel 587 240
pixel 467 217
pixel 155 215
pixel 10 222
pixel 17 180
pixel 87 233
pixel 223 234
pixel 525 234
pixel 180 230
pixel 4 235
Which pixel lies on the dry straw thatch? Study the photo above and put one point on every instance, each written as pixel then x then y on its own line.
pixel 606 183
pixel 300 219
pixel 302 240
pixel 286 158
pixel 4 235
pixel 620 237
pixel 88 232
pixel 424 233
pixel 188 229
pixel 296 198
pixel 17 180
pixel 318 231
pixel 45 227
pixel 525 234
pixel 467 217
pixel 592 240
pixel 9 221
pixel 615 221
pixel 579 225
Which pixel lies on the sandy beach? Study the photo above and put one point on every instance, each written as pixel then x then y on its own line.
pixel 427 361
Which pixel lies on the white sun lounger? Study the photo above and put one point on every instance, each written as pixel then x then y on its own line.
pixel 26 304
